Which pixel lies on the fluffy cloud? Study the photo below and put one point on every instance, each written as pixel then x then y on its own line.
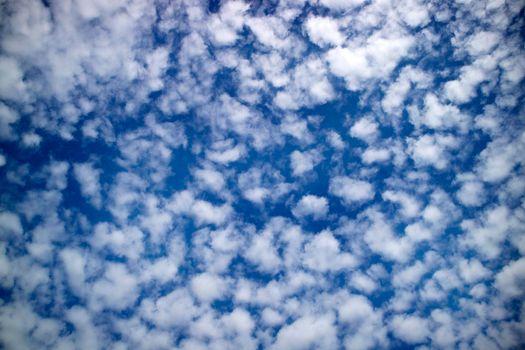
pixel 412 329
pixel 208 287
pixel 351 190
pixel 306 332
pixel 304 162
pixel 310 205
pixel 323 31
pixel 323 254
pixel 89 179
pixel 511 279
pixel 365 129
pixel 117 289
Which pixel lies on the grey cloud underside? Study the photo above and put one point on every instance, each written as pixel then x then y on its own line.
pixel 329 174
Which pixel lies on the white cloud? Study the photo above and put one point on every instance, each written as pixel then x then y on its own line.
pixel 369 332
pixel 351 190
pixel 356 309
pixel 164 268
pixel 304 162
pixel 376 59
pixel 335 140
pixel 156 220
pixel 173 309
pixel 10 224
pixel 397 91
pixel 496 162
pixel 12 86
pixel 382 240
pixel 127 242
pixel 89 179
pixel 309 86
pixel 482 42
pixel 262 251
pixel 311 205
pixel 437 115
pixel 464 88
pixel 273 66
pixel 75 266
pixel 410 276
pixel 271 317
pixel 86 335
pixel 341 4
pixel 31 139
pixel 323 254
pixel 488 232
pixel 211 179
pixel 205 212
pixel 410 206
pixel 298 128
pixel 409 328
pixel 323 31
pixel 8 116
pixel 365 129
pixel 432 150
pixel 223 153
pixel 208 287
pixel 363 283
pixel 117 289
pixel 202 211
pixel 510 281
pixel 472 270
pixel 307 332
pixel 471 194
pixel 375 155
pixel 413 12
pixel 224 27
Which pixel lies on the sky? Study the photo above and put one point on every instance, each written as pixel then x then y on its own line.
pixel 283 175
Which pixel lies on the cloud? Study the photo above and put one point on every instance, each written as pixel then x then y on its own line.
pixel 306 332
pixel 12 86
pixel 432 150
pixel 351 190
pixel 304 162
pixel 8 116
pixel 311 205
pixel 75 267
pixel 117 289
pixel 376 59
pixel 202 211
pixel 89 179
pixel 126 242
pixel 375 155
pixel 409 328
pixel 471 193
pixel 365 129
pixel 173 309
pixel 323 254
pixel 511 279
pixel 208 287
pixel 340 4
pixel 10 224
pixel 410 206
pixel 381 239
pixel 323 31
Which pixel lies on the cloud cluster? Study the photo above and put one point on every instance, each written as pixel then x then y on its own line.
pixel 328 174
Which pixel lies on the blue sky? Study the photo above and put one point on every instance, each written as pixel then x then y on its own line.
pixel 324 174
